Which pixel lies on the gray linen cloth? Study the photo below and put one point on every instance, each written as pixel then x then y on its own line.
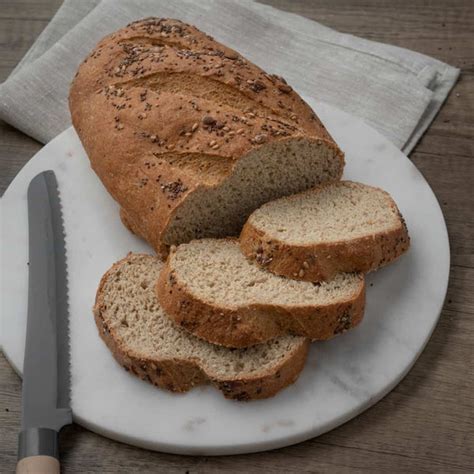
pixel 396 91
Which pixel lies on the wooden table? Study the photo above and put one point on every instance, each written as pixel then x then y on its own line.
pixel 426 423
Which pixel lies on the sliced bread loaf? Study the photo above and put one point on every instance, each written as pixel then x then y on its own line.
pixel 188 136
pixel 146 342
pixel 338 227
pixel 210 288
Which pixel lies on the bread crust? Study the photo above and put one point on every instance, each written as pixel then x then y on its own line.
pixel 252 324
pixel 181 375
pixel 322 261
pixel 133 107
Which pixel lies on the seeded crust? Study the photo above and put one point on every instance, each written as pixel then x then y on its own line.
pixel 164 111
pixel 322 261
pixel 184 373
pixel 253 323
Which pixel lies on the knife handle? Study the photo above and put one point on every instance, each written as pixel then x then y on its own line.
pixel 38 451
pixel 38 465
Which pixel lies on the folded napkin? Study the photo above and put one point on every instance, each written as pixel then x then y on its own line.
pixel 396 91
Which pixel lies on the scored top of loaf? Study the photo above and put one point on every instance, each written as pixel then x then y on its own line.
pixel 129 70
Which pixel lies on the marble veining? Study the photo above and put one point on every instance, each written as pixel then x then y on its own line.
pixel 343 376
pixel 193 423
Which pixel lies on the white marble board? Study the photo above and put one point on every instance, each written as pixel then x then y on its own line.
pixel 342 378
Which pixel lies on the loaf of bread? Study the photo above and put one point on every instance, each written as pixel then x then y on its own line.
pixel 188 136
pixel 337 227
pixel 147 343
pixel 209 288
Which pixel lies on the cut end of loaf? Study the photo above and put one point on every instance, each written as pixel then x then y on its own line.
pixel 144 340
pixel 278 169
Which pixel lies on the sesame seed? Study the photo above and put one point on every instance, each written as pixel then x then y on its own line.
pixel 194 127
pixel 285 88
pixel 240 131
pixel 305 265
pixel 262 138
pixel 212 143
pixel 231 55
pixel 301 273
pixel 216 146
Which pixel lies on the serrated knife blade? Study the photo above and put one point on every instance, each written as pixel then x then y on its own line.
pixel 46 368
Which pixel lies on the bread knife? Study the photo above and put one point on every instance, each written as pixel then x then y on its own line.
pixel 46 368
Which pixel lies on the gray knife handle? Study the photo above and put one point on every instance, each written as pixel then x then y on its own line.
pixel 38 451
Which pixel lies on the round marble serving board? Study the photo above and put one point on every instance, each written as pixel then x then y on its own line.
pixel 342 377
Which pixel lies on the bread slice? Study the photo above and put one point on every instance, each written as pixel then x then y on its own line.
pixel 188 136
pixel 210 288
pixel 338 227
pixel 146 342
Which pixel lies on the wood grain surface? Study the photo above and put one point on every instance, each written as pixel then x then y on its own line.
pixel 426 423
